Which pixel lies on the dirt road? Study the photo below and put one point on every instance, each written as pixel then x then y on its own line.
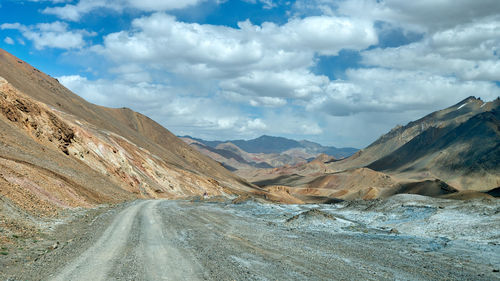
pixel 181 240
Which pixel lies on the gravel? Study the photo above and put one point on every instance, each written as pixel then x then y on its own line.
pixel 394 239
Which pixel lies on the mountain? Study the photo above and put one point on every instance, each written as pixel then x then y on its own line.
pixel 59 151
pixel 229 155
pixel 452 152
pixel 400 135
pixel 269 144
pixel 459 145
pixel 465 155
pixel 264 152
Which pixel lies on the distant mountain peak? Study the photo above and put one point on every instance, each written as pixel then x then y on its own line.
pixel 264 137
pixel 467 100
pixel 277 145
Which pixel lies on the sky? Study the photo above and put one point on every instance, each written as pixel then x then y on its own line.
pixel 338 72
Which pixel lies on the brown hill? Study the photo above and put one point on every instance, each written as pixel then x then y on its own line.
pixel 58 150
pixel 134 126
pixel 236 159
pixel 290 175
pixel 361 183
pixel 229 155
pixel 467 155
pixel 400 135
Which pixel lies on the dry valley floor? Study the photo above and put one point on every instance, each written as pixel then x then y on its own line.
pixel 406 237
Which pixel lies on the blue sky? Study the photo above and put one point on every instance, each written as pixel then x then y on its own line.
pixel 337 72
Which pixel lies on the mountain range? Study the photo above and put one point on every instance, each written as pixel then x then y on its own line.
pixel 264 151
pixel 58 151
pixel 449 152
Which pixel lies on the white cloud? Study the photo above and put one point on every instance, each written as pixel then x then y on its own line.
pixel 322 34
pixel 82 87
pixel 74 12
pixel 223 83
pixel 211 45
pixel 256 123
pixel 189 114
pixel 384 90
pixel 310 129
pixel 293 84
pixel 132 73
pixel 266 4
pixel 8 40
pixel 268 101
pixel 291 121
pixel 457 57
pixel 51 35
pixel 118 93
pixel 469 52
pixel 163 5
pixel 266 63
pixel 257 101
pixel 424 15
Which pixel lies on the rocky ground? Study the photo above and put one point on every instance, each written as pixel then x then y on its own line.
pixel 405 237
pixel 28 239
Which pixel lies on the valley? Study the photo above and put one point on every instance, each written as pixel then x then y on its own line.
pixel 265 152
pixel 404 237
pixel 89 192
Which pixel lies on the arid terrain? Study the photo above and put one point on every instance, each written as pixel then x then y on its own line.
pixel 58 151
pixel 452 152
pixel 95 193
pixel 407 237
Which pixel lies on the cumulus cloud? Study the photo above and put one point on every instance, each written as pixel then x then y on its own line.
pixel 222 82
pixel 457 56
pixel 385 90
pixel 256 123
pixel 267 101
pixel 9 40
pixel 269 66
pixel 469 52
pixel 262 65
pixel 187 114
pixel 420 15
pixel 292 84
pixel 220 51
pixel 164 5
pixel 323 34
pixel 74 12
pixel 116 93
pixel 51 35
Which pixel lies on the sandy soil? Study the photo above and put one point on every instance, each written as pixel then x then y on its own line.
pixel 405 237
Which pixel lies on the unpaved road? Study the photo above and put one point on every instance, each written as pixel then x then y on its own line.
pixel 138 227
pixel 181 240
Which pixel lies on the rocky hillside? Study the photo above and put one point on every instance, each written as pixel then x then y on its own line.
pixel 59 151
pixel 400 135
pixel 465 155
